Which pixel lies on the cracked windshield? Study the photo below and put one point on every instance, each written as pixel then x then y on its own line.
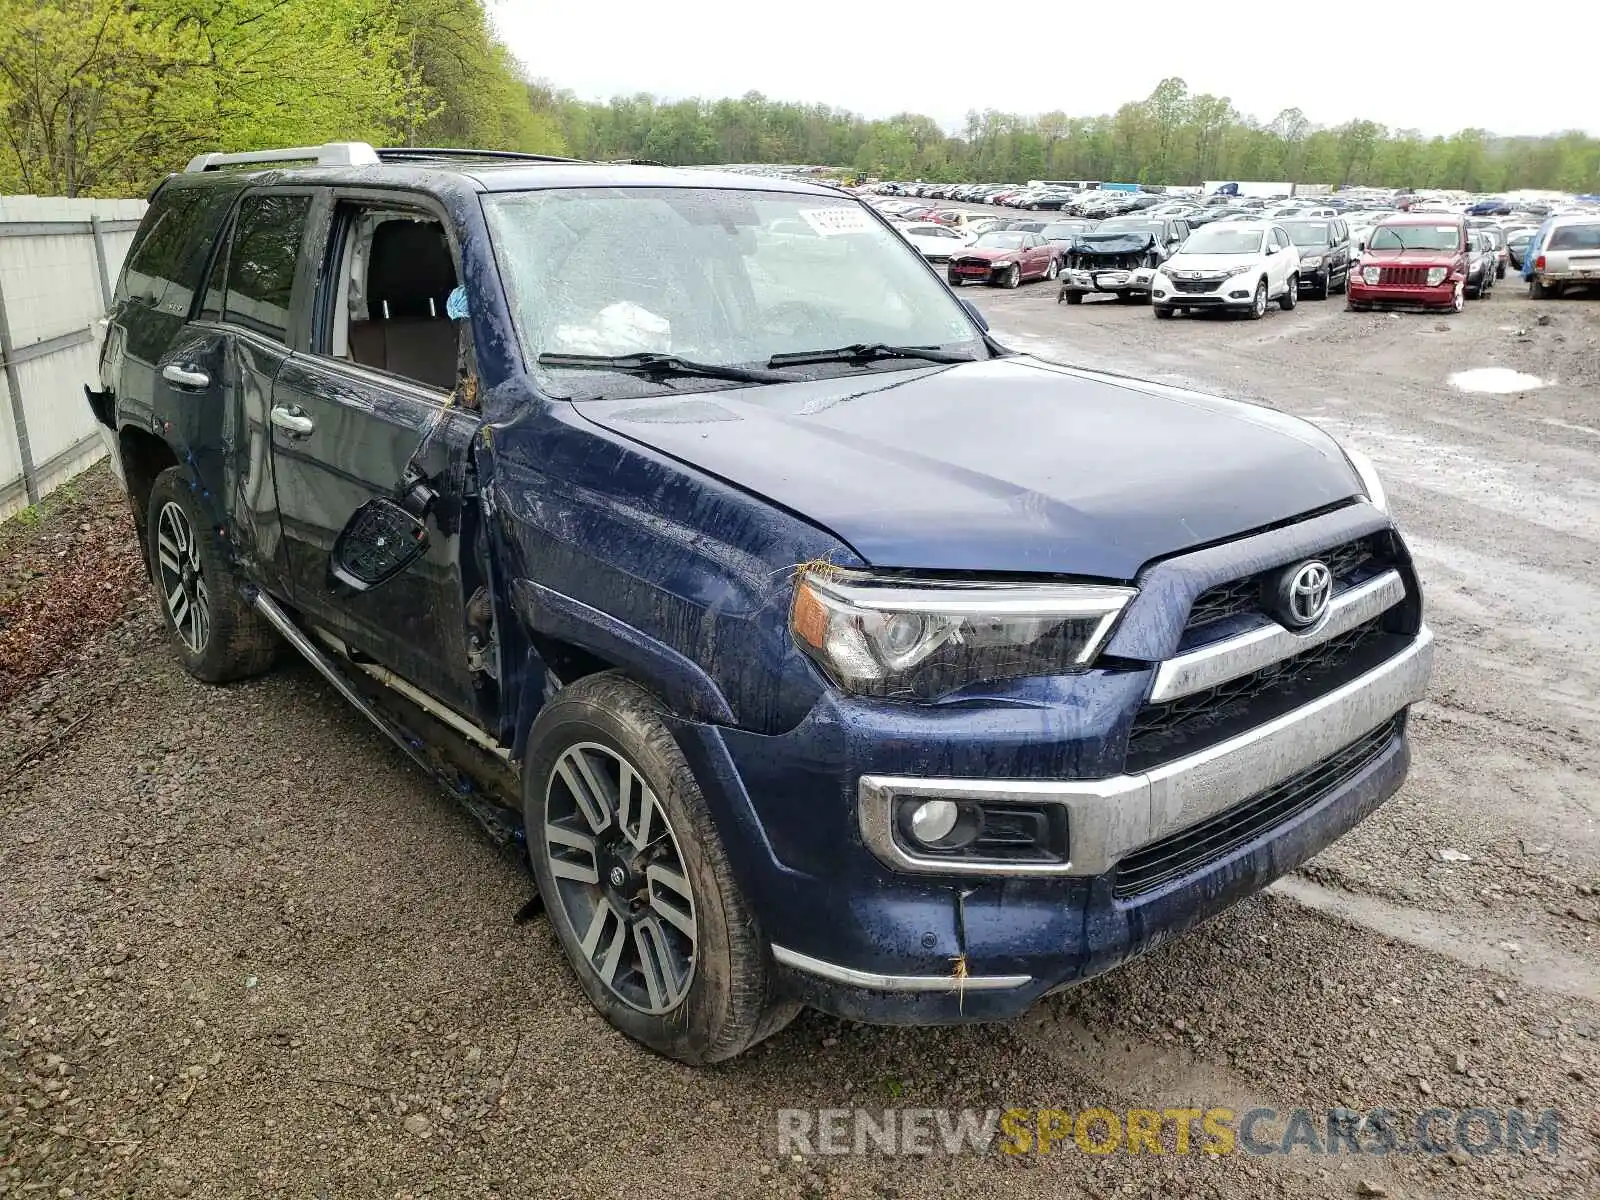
pixel 723 277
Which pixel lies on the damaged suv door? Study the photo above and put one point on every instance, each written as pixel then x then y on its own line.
pixel 370 408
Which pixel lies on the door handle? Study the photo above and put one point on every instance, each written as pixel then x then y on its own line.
pixel 291 419
pixel 186 376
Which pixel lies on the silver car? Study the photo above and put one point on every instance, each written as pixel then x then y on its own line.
pixel 1569 254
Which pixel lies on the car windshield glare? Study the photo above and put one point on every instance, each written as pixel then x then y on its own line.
pixel 1000 241
pixel 1307 234
pixel 716 275
pixel 1415 237
pixel 1223 239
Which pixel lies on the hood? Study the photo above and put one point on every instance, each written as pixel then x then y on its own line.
pixel 1114 243
pixel 1413 258
pixel 999 466
pixel 989 253
pixel 1208 264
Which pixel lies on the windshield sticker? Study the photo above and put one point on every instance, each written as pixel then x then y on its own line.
pixel 831 222
pixel 1444 228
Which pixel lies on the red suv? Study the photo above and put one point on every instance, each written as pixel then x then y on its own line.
pixel 1414 259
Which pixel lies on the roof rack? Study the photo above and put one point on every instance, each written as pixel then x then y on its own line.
pixel 329 154
pixel 423 153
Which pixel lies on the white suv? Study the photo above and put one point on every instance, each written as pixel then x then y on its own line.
pixel 1241 266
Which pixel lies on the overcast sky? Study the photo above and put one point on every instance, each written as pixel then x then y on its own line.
pixel 1434 67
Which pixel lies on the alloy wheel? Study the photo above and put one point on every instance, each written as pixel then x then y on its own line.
pixel 183 582
pixel 620 877
pixel 1458 300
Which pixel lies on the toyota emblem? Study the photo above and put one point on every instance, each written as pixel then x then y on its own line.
pixel 1303 593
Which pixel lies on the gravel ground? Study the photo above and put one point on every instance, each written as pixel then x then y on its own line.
pixel 245 949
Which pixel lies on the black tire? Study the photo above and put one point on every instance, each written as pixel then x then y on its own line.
pixel 1053 270
pixel 1325 285
pixel 216 634
pixel 1537 290
pixel 730 1002
pixel 1258 302
pixel 1074 297
pixel 1013 277
pixel 1164 312
pixel 1291 294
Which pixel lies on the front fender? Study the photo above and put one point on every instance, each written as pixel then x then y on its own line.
pixel 686 688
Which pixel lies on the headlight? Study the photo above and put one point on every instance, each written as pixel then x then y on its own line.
pixel 1244 270
pixel 1311 260
pixel 1004 262
pixel 919 640
pixel 1370 483
pixel 1371 275
pixel 1436 275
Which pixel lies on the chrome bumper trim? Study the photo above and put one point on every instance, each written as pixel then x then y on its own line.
pixel 871 980
pixel 1109 818
pixel 1232 657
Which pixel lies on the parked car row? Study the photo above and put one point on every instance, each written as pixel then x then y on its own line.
pixel 1333 240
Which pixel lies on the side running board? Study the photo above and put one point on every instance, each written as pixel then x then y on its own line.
pixel 265 605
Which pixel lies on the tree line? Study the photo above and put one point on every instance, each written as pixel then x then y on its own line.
pixel 102 97
pixel 1171 137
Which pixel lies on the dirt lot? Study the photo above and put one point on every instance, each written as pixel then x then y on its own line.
pixel 246 950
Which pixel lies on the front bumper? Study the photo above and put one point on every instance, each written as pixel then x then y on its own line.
pixel 1440 295
pixel 1237 292
pixel 1111 279
pixel 858 931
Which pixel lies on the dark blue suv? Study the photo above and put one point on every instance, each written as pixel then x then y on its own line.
pixel 818 649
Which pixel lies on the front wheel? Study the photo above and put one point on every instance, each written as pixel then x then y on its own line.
pixel 1012 277
pixel 1258 303
pixel 1073 297
pixel 1164 312
pixel 1052 270
pixel 217 635
pixel 637 882
pixel 1458 298
pixel 1291 294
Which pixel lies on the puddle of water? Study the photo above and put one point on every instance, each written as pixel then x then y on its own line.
pixel 1499 381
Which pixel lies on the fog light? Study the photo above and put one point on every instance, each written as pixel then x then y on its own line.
pixel 933 821
pixel 1239 295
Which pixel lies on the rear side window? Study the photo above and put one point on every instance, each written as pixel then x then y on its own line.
pixel 261 261
pixel 168 255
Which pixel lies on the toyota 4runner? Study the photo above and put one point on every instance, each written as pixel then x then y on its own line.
pixel 814 647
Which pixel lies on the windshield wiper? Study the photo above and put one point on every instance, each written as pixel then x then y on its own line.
pixel 659 364
pixel 863 352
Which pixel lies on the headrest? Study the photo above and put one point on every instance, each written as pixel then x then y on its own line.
pixel 410 265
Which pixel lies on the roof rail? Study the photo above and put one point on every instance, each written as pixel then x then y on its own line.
pixel 424 153
pixel 329 154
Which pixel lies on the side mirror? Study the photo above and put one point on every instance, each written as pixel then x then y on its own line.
pixel 379 541
pixel 978 317
pixel 1272 249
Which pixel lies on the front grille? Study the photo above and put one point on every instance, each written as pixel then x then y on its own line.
pixel 1195 285
pixel 969 266
pixel 1189 849
pixel 1248 595
pixel 1404 276
pixel 1189 724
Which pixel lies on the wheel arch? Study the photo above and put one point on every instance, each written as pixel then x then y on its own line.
pixel 144 457
pixel 573 641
